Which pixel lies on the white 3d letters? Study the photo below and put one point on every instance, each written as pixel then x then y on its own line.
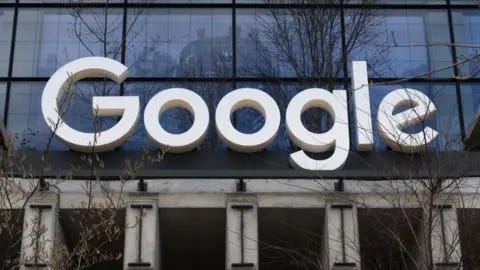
pixel 337 137
pixel 390 125
pixel 247 97
pixel 64 79
pixel 363 113
pixel 176 97
pixel 414 107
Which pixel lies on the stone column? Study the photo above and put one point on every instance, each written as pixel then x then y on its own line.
pixel 242 233
pixel 142 235
pixel 446 249
pixel 42 237
pixel 341 244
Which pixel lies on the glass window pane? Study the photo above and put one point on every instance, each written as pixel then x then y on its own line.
pixel 281 43
pixel 470 101
pixel 26 122
pixel 177 120
pixel 3 93
pixel 248 120
pixel 48 38
pixel 180 42
pixel 6 19
pixel 467 37
pixel 401 43
pixel 445 120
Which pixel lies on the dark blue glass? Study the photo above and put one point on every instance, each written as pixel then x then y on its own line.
pixel 49 38
pixel 180 43
pixel 26 123
pixel 467 37
pixel 25 120
pixel 3 93
pixel 281 43
pixel 249 120
pixel 176 120
pixel 6 20
pixel 401 43
pixel 470 102
pixel 445 120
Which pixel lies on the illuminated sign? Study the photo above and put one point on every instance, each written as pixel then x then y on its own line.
pixel 390 124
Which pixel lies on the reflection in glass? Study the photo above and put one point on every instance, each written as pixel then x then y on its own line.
pixel 470 102
pixel 249 120
pixel 3 93
pixel 180 43
pixel 177 120
pixel 405 43
pixel 6 19
pixel 48 38
pixel 282 43
pixel 445 120
pixel 467 37
pixel 26 123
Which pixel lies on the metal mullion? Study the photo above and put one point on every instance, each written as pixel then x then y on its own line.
pixel 117 5
pixel 123 52
pixel 344 47
pixel 456 71
pixel 229 5
pixel 349 6
pixel 345 73
pixel 234 55
pixel 385 81
pixel 396 6
pixel 10 63
pixel 124 33
pixel 463 6
pixel 239 5
pixel 249 79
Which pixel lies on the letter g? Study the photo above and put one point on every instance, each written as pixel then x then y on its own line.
pixel 126 106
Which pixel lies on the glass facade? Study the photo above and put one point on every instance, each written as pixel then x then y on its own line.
pixel 46 39
pixel 180 43
pixel 177 120
pixel 215 46
pixel 466 24
pixel 6 23
pixel 405 43
pixel 445 119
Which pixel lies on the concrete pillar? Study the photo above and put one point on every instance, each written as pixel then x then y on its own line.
pixel 142 236
pixel 341 244
pixel 42 237
pixel 242 233
pixel 446 250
